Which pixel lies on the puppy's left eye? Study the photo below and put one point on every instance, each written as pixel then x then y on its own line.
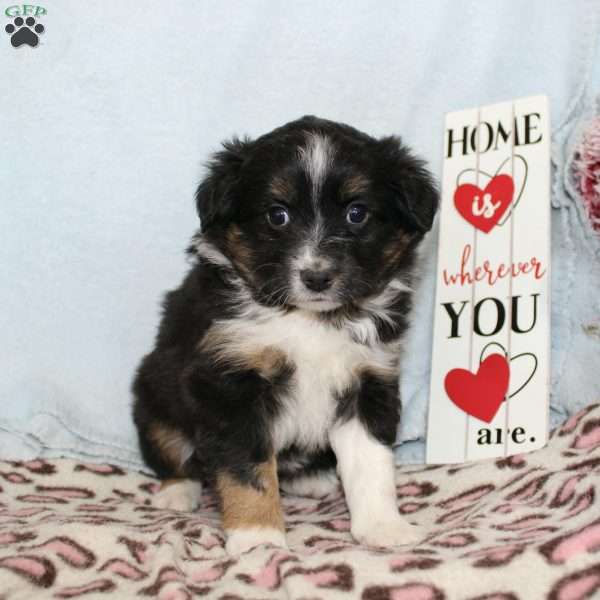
pixel 357 213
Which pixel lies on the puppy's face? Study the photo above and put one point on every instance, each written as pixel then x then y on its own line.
pixel 315 214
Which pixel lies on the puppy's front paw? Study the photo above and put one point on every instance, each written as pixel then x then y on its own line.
pixel 242 540
pixel 182 494
pixel 395 532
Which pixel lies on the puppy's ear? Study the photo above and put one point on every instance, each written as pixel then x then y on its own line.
pixel 215 199
pixel 415 191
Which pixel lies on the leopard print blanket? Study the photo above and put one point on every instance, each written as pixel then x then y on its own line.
pixel 523 527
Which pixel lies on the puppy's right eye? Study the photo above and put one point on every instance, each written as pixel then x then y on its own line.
pixel 278 216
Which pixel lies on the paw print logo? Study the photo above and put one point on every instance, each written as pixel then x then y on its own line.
pixel 24 32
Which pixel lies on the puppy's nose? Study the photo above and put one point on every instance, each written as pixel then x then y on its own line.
pixel 317 281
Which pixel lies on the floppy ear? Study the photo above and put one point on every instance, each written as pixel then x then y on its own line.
pixel 416 193
pixel 214 197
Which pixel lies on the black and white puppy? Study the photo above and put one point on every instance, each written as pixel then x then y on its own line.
pixel 277 359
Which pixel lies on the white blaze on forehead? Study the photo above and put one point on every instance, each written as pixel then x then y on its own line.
pixel 316 158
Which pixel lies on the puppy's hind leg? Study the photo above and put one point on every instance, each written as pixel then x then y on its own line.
pixel 178 494
pixel 174 451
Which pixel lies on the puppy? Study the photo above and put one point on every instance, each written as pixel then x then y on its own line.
pixel 277 359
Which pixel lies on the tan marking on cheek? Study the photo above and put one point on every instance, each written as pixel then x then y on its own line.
pixel 395 249
pixel 354 185
pixel 239 252
pixel 244 506
pixel 173 445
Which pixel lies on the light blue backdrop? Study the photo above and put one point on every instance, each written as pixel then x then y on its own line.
pixel 104 128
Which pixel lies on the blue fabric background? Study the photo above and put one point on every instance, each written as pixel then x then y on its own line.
pixel 104 128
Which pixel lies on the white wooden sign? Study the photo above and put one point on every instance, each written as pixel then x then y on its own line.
pixel 491 343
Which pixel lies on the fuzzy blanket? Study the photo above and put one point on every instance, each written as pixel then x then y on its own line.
pixel 523 527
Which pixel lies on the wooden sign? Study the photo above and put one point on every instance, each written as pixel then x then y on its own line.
pixel 491 344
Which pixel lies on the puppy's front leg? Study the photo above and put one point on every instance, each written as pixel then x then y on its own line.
pixel 231 408
pixel 366 467
pixel 251 509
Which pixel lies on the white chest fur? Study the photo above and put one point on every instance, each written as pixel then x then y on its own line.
pixel 326 360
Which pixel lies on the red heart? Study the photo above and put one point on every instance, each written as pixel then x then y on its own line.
pixel 480 395
pixel 471 201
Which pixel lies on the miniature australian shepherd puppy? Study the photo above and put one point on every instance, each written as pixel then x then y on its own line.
pixel 277 360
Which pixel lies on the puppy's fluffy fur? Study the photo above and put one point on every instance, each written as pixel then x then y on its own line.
pixel 277 358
